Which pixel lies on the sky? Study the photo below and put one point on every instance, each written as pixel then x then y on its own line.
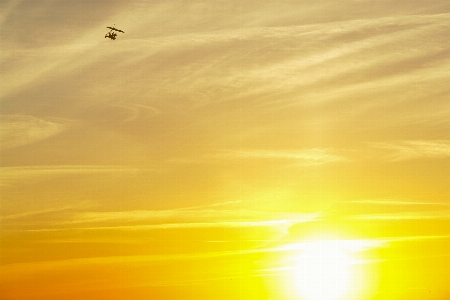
pixel 225 149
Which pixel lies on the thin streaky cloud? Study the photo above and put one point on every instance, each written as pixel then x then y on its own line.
pixel 282 224
pixel 62 169
pixel 413 149
pixel 19 130
pixel 396 202
pixel 217 204
pixel 415 238
pixel 157 45
pixel 354 245
pixel 184 217
pixel 304 69
pixel 314 156
pixel 291 66
pixel 166 219
pixel 206 216
pixel 428 215
pixel 17 269
pixel 35 213
pixel 348 244
pixel 49 62
pixel 11 175
pixel 425 22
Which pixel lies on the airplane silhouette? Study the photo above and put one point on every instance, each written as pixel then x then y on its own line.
pixel 112 33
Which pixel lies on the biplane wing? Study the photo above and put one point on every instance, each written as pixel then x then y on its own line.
pixel 113 28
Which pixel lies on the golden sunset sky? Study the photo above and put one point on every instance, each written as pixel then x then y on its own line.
pixel 225 150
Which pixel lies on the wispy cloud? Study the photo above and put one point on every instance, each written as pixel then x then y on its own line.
pixel 19 130
pixel 192 218
pixel 413 149
pixel 394 202
pixel 35 213
pixel 305 157
pixel 10 175
pixel 268 64
pixel 422 215
pixel 393 209
pixel 354 44
pixel 348 244
pixel 279 224
pixel 214 215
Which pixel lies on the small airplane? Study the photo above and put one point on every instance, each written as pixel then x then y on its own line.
pixel 112 33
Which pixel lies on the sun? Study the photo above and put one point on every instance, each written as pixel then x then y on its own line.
pixel 322 271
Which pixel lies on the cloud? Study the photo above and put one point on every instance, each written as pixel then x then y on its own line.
pixel 69 218
pixel 281 224
pixel 19 130
pixel 414 149
pixel 422 215
pixel 392 210
pixel 357 245
pixel 350 244
pixel 305 157
pixel 282 64
pixel 416 238
pixel 36 213
pixel 10 175
pixel 301 157
pixel 191 218
pixel 341 48
pixel 393 202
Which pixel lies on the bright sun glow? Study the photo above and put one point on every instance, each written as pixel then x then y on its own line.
pixel 322 271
